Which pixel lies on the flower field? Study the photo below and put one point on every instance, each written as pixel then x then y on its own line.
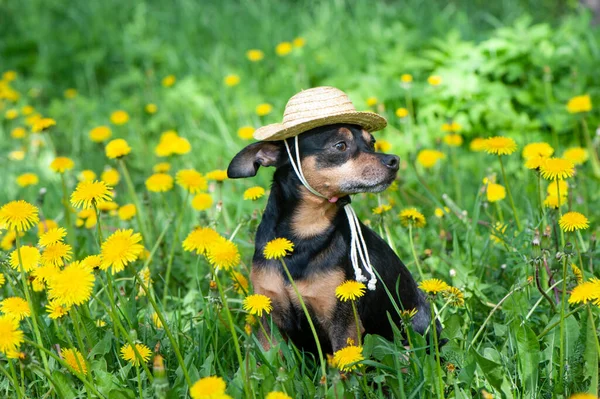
pixel 125 250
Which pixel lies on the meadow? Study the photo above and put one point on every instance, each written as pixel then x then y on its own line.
pixel 125 251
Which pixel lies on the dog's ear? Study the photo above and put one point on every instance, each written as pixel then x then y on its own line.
pixel 247 161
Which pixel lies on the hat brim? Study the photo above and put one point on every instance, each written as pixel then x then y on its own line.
pixel 369 121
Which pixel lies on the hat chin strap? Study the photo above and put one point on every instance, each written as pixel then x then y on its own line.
pixel 358 247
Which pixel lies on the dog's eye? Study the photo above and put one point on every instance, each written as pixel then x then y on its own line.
pixel 341 146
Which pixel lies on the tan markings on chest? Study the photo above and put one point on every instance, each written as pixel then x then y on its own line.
pixel 312 216
pixel 318 293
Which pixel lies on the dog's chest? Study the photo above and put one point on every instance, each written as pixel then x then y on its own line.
pixel 317 290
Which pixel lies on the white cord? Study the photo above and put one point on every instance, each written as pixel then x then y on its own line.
pixel 358 247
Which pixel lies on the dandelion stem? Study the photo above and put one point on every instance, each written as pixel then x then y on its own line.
pixel 135 200
pixel 414 252
pixel 593 321
pixel 234 336
pixel 512 202
pixel 139 380
pixel 13 379
pixel 67 206
pixel 562 234
pixel 36 330
pixel 357 320
pixel 438 367
pixel 81 345
pixel 310 322
pixel 172 252
pixel 562 321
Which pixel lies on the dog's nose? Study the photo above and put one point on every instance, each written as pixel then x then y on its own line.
pixel 391 161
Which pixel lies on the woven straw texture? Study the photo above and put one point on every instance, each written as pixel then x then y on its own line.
pixel 317 107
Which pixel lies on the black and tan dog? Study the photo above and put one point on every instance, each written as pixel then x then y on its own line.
pixel 338 160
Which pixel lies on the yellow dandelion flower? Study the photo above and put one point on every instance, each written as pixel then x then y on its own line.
pixel 255 55
pixel 299 42
pixel 231 80
pixel 2 280
pixel 161 167
pixel 45 272
pixel 440 213
pixel 401 112
pixel 17 155
pixel 408 314
pixel 346 358
pixel 156 321
pixel 110 176
pixel 92 261
pixel 100 134
pixel 572 221
pixel 30 256
pixel 117 148
pixel 11 114
pixel 383 146
pixel 10 335
pixel 62 164
pixel 27 179
pixel 495 192
pixel 254 193
pixel 127 353
pixel 381 209
pixel 537 150
pixel 18 133
pixel 586 292
pixel 500 145
pixel 583 396
pixel 56 254
pixel 73 285
pixel 350 290
pixel 535 162
pixel 120 249
pixel 55 310
pixel 406 78
pixel 283 49
pixel 453 140
pixel 208 388
pixel 257 304
pixel 90 193
pixel 433 286
pixel 497 232
pixel 42 124
pixel 277 395
pixel 263 109
pixel 100 323
pixel 52 236
pixel 579 104
pixel 74 359
pixel 452 127
pixel 18 215
pixel 151 108
pixel 86 175
pixel 223 254
pixel 246 132
pixel 8 240
pixel 169 80
pixel 9 76
pixel 434 80
pixel 200 239
pixel 119 117
pixel 557 168
pixel 70 94
pixel 278 248
pixel 127 212
pixel 202 202
pixel 217 175
pixel 15 307
pixel 46 225
pixel 27 110
pixel 454 296
pixel 411 216
pixel 563 186
pixel 371 101
pixel 240 282
pixel 191 180
pixel 159 183
pixel 577 273
pixel 429 158
pixel 577 155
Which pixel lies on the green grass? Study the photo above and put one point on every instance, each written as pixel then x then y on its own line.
pixel 508 69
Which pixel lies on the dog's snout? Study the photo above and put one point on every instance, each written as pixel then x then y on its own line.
pixel 391 161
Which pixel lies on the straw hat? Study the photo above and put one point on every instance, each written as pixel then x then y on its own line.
pixel 317 107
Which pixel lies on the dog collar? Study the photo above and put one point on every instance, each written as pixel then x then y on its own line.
pixel 358 247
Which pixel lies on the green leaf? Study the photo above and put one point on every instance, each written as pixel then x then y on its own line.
pixel 103 346
pixel 591 356
pixel 63 385
pixel 528 356
pixel 491 370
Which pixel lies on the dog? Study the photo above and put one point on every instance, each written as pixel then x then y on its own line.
pixel 338 160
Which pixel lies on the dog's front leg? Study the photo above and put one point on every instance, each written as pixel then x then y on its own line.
pixel 343 329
